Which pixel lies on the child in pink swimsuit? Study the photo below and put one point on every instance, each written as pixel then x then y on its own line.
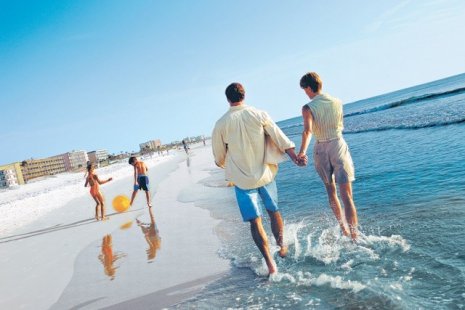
pixel 94 182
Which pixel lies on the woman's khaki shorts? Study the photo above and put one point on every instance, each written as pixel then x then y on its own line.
pixel 332 160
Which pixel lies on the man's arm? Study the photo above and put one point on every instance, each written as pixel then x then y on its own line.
pixel 276 134
pixel 219 148
pixel 281 140
pixel 307 133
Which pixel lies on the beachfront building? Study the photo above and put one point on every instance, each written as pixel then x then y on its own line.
pixel 99 157
pixel 11 175
pixel 8 178
pixel 75 160
pixel 34 168
pixel 112 158
pixel 151 145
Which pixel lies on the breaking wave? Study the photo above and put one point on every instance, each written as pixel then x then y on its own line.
pixel 411 100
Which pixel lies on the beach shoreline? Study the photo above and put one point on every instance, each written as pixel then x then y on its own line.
pixel 53 192
pixel 63 249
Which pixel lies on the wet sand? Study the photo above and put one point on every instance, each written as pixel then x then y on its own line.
pixel 67 260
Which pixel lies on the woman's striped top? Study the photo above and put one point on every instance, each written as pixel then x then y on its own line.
pixel 327 117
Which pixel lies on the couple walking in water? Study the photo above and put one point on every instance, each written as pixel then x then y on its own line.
pixel 249 145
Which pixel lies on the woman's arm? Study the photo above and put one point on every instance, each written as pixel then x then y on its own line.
pixel 307 133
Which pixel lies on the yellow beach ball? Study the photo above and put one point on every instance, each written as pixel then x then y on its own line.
pixel 121 203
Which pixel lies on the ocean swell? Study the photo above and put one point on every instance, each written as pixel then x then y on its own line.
pixel 407 126
pixel 408 101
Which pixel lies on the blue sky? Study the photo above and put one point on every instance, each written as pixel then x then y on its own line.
pixel 111 74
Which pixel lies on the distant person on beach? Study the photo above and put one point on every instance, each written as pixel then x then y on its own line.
pixel 239 146
pixel 186 146
pixel 323 117
pixel 141 180
pixel 93 180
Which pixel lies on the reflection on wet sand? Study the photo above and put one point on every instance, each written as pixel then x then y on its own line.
pixel 150 232
pixel 108 258
pixel 126 225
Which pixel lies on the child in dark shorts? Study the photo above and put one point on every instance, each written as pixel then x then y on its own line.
pixel 141 180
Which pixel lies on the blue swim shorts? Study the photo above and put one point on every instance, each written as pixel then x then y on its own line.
pixel 248 202
pixel 143 182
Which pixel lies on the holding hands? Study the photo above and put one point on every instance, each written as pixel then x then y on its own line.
pixel 302 160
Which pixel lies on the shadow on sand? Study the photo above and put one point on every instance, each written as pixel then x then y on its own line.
pixel 55 228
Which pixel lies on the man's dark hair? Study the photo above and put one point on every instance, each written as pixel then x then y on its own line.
pixel 132 159
pixel 312 80
pixel 235 92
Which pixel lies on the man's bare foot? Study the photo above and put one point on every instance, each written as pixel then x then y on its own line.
pixel 104 218
pixel 96 217
pixel 283 251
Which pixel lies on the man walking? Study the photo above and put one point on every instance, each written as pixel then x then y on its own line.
pixel 241 139
pixel 324 118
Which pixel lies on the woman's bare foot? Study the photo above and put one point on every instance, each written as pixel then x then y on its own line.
pixel 344 230
pixel 353 233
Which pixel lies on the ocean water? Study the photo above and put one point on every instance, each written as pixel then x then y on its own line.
pixel 408 149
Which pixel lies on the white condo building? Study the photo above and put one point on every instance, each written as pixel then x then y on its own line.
pixel 98 156
pixel 75 160
pixel 8 178
pixel 151 145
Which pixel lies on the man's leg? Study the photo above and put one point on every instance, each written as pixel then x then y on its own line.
pixel 345 190
pixel 134 193
pixel 277 227
pixel 147 195
pixel 143 182
pixel 335 205
pixel 260 239
pixel 269 196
